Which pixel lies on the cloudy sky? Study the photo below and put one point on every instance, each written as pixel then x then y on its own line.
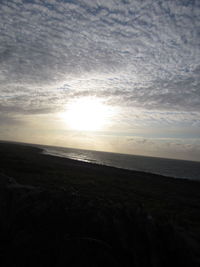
pixel 138 60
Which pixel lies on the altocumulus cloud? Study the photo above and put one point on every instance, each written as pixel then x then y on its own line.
pixel 137 54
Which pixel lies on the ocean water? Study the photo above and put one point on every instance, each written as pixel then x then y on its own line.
pixel 167 167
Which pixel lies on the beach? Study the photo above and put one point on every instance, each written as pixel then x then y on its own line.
pixel 120 214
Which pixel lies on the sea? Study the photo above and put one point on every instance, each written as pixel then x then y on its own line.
pixel 167 167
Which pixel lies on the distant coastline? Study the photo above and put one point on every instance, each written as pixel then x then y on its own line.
pixel 178 169
pixel 75 204
pixel 161 166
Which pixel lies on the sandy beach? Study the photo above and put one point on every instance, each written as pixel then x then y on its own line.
pixel 52 208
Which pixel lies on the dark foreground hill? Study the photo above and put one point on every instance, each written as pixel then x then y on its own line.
pixel 59 212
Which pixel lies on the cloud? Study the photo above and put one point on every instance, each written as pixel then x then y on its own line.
pixel 181 148
pixel 135 55
pixel 9 121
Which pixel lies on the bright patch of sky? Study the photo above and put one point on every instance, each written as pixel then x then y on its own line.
pixel 141 58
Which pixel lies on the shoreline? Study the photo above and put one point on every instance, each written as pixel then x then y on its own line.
pixel 44 151
pixel 120 168
pixel 138 178
pixel 116 163
pixel 118 212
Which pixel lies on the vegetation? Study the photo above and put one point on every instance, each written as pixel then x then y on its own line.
pixel 60 212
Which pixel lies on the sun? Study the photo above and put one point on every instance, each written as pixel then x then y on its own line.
pixel 87 114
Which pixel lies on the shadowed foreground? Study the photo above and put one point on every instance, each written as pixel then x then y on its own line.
pixel 60 212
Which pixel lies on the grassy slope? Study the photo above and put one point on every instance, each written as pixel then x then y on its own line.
pixel 94 212
pixel 174 200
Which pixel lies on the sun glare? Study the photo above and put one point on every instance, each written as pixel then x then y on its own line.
pixel 87 114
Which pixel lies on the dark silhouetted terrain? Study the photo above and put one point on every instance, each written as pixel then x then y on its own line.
pixel 60 212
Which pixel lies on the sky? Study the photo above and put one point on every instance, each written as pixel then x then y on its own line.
pixel 111 75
